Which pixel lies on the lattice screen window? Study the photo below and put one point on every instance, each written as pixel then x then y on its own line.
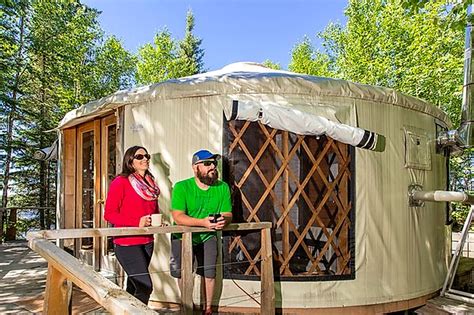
pixel 303 185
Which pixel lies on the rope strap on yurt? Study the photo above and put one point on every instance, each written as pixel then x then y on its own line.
pixel 303 123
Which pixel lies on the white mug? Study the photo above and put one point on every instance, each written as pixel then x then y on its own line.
pixel 156 219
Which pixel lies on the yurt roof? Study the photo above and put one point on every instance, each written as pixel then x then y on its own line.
pixel 248 78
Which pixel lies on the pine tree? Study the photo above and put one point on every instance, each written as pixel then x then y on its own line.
pixel 190 52
pixel 167 58
pixel 13 44
pixel 53 59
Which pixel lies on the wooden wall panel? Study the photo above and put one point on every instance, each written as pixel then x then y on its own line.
pixel 69 178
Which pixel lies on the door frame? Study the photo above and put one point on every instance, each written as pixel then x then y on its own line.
pixel 105 123
pixel 94 127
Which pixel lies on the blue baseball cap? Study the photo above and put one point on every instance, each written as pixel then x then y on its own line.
pixel 204 155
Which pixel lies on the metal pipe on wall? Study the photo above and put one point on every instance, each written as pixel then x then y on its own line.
pixel 441 195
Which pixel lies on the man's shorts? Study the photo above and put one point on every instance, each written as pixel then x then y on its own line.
pixel 204 254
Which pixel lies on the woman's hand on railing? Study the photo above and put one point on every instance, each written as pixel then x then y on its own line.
pixel 145 221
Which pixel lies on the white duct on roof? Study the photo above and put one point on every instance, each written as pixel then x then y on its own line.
pixel 293 120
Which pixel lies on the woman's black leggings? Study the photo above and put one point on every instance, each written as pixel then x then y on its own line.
pixel 135 260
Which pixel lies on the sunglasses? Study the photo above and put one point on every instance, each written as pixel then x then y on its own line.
pixel 208 163
pixel 141 156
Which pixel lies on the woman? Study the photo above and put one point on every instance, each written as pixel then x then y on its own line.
pixel 131 201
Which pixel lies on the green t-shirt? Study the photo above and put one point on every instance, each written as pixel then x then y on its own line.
pixel 198 203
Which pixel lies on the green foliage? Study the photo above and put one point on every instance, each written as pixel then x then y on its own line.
pixel 418 53
pixel 305 60
pixel 458 10
pixel 13 45
pixel 190 53
pixel 168 58
pixel 113 68
pixel 61 37
pixel 157 62
pixel 462 179
pixel 272 65
pixel 413 46
pixel 53 58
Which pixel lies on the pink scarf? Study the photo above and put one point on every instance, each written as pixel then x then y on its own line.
pixel 144 187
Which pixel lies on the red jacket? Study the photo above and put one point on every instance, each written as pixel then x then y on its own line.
pixel 124 208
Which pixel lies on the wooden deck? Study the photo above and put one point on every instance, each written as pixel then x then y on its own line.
pixel 23 279
pixel 443 306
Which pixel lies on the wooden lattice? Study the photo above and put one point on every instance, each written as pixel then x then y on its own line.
pixel 301 184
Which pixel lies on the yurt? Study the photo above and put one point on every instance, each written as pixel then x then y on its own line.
pixel 329 162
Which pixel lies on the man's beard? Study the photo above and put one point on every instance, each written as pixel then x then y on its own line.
pixel 208 178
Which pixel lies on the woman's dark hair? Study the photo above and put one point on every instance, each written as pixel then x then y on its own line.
pixel 127 163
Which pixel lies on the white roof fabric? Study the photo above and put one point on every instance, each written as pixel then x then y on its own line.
pixel 251 78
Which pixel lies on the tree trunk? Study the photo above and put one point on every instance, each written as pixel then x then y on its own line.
pixel 10 126
pixel 42 171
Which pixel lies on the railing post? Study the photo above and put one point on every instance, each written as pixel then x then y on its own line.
pixel 187 282
pixel 10 234
pixel 57 299
pixel 267 284
pixel 107 294
pixel 2 211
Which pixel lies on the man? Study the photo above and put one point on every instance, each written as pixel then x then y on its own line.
pixel 192 202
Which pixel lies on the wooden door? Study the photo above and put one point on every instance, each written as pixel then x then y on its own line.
pixel 96 144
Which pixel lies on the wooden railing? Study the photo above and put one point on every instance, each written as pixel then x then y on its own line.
pixel 64 269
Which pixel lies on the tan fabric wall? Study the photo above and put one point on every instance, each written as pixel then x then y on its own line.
pixel 400 251
pixel 172 131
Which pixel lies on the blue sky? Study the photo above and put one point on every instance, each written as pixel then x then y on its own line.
pixel 231 30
